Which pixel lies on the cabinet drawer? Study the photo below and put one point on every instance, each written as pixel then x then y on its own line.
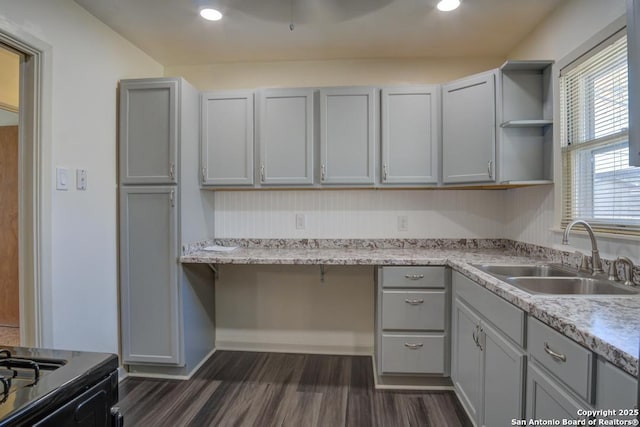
pixel 504 315
pixel 417 354
pixel 567 360
pixel 413 277
pixel 413 310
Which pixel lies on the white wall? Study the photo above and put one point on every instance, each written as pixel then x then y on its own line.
pixel 532 213
pixel 360 213
pixel 88 59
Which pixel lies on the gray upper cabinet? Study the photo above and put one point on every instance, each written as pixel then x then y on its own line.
pixel 149 131
pixel 410 135
pixel 469 129
pixel 285 136
pixel 347 135
pixel 149 275
pixel 227 138
pixel 525 117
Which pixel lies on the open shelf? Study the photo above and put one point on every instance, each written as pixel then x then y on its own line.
pixel 526 123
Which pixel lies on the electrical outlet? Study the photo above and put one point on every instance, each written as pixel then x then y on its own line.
pixel 403 223
pixel 81 179
pixel 300 221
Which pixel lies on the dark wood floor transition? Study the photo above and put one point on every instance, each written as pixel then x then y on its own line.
pixel 274 389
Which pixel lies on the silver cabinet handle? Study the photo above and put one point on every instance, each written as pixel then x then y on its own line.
pixel 172 170
pixel 474 336
pixel 557 356
pixel 414 276
pixel 262 173
pixel 204 174
pixel 480 332
pixel 414 301
pixel 385 171
pixel 323 172
pixel 172 201
pixel 490 169
pixel 413 346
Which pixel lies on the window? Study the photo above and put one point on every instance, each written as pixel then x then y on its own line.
pixel 598 184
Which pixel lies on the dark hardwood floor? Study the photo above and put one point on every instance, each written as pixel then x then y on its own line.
pixel 274 389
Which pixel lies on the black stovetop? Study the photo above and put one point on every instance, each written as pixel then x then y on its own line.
pixel 28 397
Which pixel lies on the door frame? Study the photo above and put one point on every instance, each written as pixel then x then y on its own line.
pixel 35 178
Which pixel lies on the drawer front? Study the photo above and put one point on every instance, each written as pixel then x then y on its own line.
pixel 567 360
pixel 504 315
pixel 413 354
pixel 413 310
pixel 413 277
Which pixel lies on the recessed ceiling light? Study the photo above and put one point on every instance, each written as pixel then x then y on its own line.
pixel 211 14
pixel 448 5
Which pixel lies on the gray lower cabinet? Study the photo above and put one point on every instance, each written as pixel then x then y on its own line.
pixel 285 136
pixel 412 332
pixel 348 139
pixel 149 275
pixel 469 129
pixel 488 367
pixel 616 390
pixel 503 382
pixel 466 366
pixel 546 399
pixel 410 135
pixel 149 131
pixel 226 138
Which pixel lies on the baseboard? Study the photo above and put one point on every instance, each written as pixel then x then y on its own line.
pixel 169 376
pixel 294 348
pixel 465 408
pixel 122 373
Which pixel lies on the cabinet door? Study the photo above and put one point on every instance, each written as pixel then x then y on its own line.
pixel 546 399
pixel 410 135
pixel 347 135
pixel 285 136
pixel 149 275
pixel 227 138
pixel 148 131
pixel 466 366
pixel 469 129
pixel 503 382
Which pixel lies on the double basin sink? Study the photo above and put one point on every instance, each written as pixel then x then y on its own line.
pixel 555 279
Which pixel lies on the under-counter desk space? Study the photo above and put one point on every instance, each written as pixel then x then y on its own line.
pixel 607 325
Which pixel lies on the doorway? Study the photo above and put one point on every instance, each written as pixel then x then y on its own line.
pixel 9 197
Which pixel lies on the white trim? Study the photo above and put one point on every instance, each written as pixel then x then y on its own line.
pixel 612 236
pixel 35 220
pixel 173 377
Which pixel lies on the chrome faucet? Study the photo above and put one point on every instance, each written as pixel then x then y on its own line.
pixel 596 266
pixel 628 269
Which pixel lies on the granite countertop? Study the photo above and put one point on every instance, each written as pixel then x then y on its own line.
pixel 608 325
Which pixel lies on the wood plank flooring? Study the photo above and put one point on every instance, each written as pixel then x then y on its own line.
pixel 277 389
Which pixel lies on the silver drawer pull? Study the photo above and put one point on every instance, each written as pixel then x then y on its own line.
pixel 413 346
pixel 414 301
pixel 414 276
pixel 557 356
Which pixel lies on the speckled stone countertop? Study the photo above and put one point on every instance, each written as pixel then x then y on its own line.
pixel 608 325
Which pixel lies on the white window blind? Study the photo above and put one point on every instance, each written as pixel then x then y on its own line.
pixel 599 186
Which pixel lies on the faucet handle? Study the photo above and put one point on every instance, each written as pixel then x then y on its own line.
pixel 584 262
pixel 628 269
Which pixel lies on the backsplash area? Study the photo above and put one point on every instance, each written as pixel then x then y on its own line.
pixel 364 214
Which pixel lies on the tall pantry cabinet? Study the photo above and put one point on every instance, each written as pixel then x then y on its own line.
pixel 166 309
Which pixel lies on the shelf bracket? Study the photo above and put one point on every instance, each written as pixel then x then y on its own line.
pixel 215 270
pixel 322 272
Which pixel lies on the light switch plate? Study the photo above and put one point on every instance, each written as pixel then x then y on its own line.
pixel 300 221
pixel 62 179
pixel 81 179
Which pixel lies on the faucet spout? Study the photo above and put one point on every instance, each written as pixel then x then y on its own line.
pixel 595 253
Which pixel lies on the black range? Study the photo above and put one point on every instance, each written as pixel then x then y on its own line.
pixel 40 387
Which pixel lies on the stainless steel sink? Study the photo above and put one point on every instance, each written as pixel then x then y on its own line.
pixel 555 279
pixel 527 270
pixel 569 286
